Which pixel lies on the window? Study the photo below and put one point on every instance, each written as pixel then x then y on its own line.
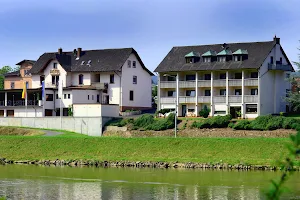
pixel 133 64
pixel 287 91
pixel 190 93
pixel 171 93
pixel 237 58
pixel 191 110
pixel 220 112
pixel 129 63
pixel 56 96
pixel 82 62
pixel 271 60
pixel 190 77
pixel 65 96
pixel 223 92
pixel 55 80
pixel 26 72
pixel 42 78
pixel 49 97
pixel 88 97
pixel 254 91
pixel 54 65
pixel 280 60
pixel 251 108
pixel 112 78
pixel 207 59
pixel 69 96
pixel 92 97
pixel 222 59
pixel 207 76
pixel 223 76
pixel 80 81
pixel 207 92
pixel 254 75
pixel 238 75
pixel 12 85
pixel 134 80
pixel 189 60
pixel 171 78
pixel 238 91
pixel 131 95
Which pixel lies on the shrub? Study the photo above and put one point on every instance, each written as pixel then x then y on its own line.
pixel 275 123
pixel 204 112
pixel 214 122
pixel 143 121
pixel 261 122
pixel 242 125
pixel 231 125
pixel 288 122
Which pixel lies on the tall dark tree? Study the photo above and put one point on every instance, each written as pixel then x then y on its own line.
pixel 4 70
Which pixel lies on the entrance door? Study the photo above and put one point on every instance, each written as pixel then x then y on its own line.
pixel 234 111
pixel 98 98
pixel 10 113
pixel 183 110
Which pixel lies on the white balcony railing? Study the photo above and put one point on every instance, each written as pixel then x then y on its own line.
pixel 187 99
pixel 235 98
pixel 204 99
pixel 168 100
pixel 251 82
pixel 219 99
pixel 219 83
pixel 204 83
pixel 187 84
pixel 251 98
pixel 235 82
pixel 168 84
pixel 100 86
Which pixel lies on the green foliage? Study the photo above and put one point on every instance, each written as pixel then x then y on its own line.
pixel 164 111
pixel 204 112
pixel 162 124
pixel 154 91
pixel 144 120
pixel 238 113
pixel 4 70
pixel 70 110
pixel 242 125
pixel 231 125
pixel 214 122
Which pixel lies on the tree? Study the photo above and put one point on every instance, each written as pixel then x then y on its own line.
pixel 204 112
pixel 3 71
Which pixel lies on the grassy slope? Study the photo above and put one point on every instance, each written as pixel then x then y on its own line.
pixel 229 150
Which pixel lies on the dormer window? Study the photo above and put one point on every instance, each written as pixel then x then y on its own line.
pixel 209 56
pixel 222 59
pixel 192 57
pixel 240 55
pixel 225 55
pixel 54 65
pixel 207 59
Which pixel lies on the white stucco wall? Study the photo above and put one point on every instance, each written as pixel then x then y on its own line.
pixel 95 110
pixel 86 78
pixel 48 76
pixel 81 96
pixel 30 112
pixel 35 80
pixel 142 90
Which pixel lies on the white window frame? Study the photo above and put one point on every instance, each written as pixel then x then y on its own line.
pixel 133 64
pixel 134 81
pixel 129 63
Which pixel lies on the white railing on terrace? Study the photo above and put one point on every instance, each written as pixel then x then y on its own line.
pixel 235 82
pixel 235 98
pixel 187 99
pixel 203 83
pixel 219 83
pixel 187 84
pixel 219 99
pixel 167 100
pixel 168 84
pixel 251 98
pixel 204 99
pixel 251 82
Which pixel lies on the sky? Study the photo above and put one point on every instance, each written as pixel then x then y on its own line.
pixel 152 27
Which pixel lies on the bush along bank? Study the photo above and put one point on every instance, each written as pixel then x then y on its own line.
pixel 148 164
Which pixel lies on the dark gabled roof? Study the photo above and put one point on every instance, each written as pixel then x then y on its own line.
pixel 10 74
pixel 28 61
pixel 257 53
pixel 103 60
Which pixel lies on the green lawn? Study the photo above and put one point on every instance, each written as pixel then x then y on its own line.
pixel 204 150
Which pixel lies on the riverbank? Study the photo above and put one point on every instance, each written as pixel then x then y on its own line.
pixel 199 151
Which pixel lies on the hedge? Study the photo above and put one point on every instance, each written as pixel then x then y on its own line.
pixel 214 122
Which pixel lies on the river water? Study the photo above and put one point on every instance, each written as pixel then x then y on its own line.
pixel 40 182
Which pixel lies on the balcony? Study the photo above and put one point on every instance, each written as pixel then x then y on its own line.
pixel 251 82
pixel 100 86
pixel 187 99
pixel 168 100
pixel 219 99
pixel 279 66
pixel 204 99
pixel 187 84
pixel 22 103
pixel 235 82
pixel 204 83
pixel 168 84
pixel 219 83
pixel 251 98
pixel 235 98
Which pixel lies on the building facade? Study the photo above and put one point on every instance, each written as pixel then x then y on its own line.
pixel 112 77
pixel 242 79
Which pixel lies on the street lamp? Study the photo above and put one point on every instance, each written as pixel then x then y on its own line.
pixel 168 75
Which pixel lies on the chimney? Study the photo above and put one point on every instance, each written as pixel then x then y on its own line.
pixel 277 40
pixel 60 51
pixel 78 52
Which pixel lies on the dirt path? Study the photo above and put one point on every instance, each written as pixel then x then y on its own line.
pixel 51 133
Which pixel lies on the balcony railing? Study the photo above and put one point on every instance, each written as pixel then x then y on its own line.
pixel 187 84
pixel 235 99
pixel 187 99
pixel 250 98
pixel 22 103
pixel 219 83
pixel 168 84
pixel 204 99
pixel 219 99
pixel 204 83
pixel 279 67
pixel 235 82
pixel 167 100
pixel 251 82
pixel 100 86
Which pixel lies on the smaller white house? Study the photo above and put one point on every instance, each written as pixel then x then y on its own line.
pixel 95 83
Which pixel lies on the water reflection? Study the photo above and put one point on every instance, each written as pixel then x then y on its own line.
pixel 44 184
